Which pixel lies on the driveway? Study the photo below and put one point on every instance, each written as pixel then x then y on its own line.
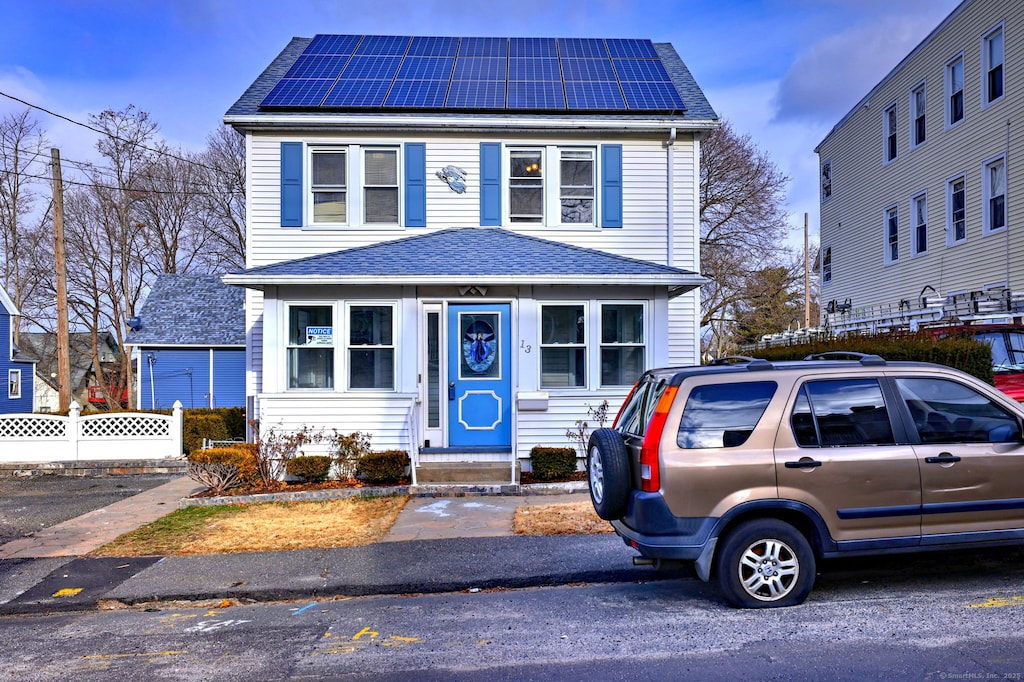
pixel 28 504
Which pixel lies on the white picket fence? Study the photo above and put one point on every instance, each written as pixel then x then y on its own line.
pixel 117 436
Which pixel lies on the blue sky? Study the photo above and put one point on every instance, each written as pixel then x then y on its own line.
pixel 782 71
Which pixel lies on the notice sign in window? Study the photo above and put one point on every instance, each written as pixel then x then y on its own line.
pixel 319 336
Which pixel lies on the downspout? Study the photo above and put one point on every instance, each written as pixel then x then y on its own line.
pixel 670 232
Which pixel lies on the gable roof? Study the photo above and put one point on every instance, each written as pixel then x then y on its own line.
pixel 469 256
pixel 7 304
pixel 191 310
pixel 326 73
pixel 43 347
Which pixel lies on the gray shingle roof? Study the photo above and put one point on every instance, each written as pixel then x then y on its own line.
pixel 470 255
pixel 697 106
pixel 191 310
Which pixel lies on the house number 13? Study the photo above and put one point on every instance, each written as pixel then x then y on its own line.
pixel 525 346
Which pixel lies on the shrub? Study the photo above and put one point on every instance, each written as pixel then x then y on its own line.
pixel 347 450
pixel 273 450
pixel 242 457
pixel 386 466
pixel 549 464
pixel 196 427
pixel 312 468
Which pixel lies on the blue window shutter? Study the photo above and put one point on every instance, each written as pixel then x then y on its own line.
pixel 490 183
pixel 415 184
pixel 611 185
pixel 291 184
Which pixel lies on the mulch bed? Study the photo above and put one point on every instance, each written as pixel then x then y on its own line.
pixel 284 487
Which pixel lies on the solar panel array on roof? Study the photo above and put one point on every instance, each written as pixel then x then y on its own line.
pixel 476 74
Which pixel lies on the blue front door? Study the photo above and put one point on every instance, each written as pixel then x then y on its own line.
pixel 479 376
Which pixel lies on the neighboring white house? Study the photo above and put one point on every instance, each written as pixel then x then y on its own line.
pixel 459 244
pixel 917 183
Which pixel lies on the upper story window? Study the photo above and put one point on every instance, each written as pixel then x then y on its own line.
pixel 956 211
pixel 992 66
pixel 552 185
pixel 380 186
pixel 918 105
pixel 889 122
pixel 310 346
pixel 994 183
pixel 919 214
pixel 329 185
pixel 892 235
pixel 826 181
pixel 563 345
pixel 955 91
pixel 826 265
pixel 622 343
pixel 13 383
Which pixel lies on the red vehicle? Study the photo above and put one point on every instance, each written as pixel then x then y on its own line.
pixel 1007 342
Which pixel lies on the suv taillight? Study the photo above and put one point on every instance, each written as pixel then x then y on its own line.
pixel 650 471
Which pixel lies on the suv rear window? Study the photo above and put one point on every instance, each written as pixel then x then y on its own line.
pixel 723 415
pixel 636 413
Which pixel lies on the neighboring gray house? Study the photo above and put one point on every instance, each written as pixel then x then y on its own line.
pixel 188 344
pixel 457 245
pixel 86 386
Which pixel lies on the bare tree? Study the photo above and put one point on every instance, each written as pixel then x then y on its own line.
pixel 23 160
pixel 223 205
pixel 743 224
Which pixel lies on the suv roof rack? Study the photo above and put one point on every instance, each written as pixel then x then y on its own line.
pixel 753 364
pixel 863 358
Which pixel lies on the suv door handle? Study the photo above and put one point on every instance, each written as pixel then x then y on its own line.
pixel 944 458
pixel 803 464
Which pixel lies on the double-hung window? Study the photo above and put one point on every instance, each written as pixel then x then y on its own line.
pixel 310 347
pixel 889 122
pixel 380 186
pixel 956 213
pixel 526 185
pixel 918 105
pixel 13 383
pixel 371 346
pixel 563 345
pixel 955 91
pixel 826 181
pixel 994 183
pixel 992 66
pixel 576 180
pixel 622 343
pixel 329 185
pixel 826 265
pixel 892 235
pixel 919 214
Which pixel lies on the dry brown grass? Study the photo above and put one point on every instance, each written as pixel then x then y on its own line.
pixel 577 518
pixel 263 527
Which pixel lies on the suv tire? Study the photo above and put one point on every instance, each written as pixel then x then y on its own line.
pixel 608 474
pixel 765 563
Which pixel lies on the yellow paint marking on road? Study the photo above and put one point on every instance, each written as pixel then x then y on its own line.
pixel 67 592
pixel 999 602
pixel 148 654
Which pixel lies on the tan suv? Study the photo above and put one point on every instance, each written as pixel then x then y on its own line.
pixel 755 470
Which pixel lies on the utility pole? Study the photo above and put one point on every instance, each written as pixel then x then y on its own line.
pixel 807 276
pixel 63 339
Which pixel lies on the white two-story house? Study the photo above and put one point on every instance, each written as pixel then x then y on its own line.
pixel 458 245
pixel 919 223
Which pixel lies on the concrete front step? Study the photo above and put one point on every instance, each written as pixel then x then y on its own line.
pixel 467 473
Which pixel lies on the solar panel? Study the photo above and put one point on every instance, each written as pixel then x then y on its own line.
pixel 428 72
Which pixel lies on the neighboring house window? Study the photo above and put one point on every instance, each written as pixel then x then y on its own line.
pixel 622 343
pixel 329 185
pixel 892 235
pixel 955 91
pixel 992 66
pixel 310 346
pixel 576 170
pixel 371 346
pixel 956 212
pixel 826 181
pixel 919 214
pixel 380 186
pixel 994 183
pixel 889 120
pixel 14 383
pixel 826 265
pixel 526 185
pixel 563 346
pixel 918 105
